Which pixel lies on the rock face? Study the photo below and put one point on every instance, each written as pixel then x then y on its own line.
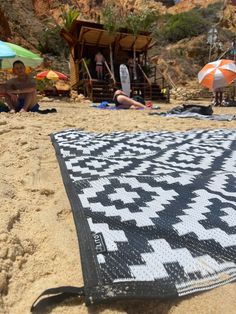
pixel 23 22
pixel 26 22
pixel 5 30
pixel 186 5
pixel 229 16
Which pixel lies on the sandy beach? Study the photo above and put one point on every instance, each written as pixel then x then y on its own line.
pixel 38 242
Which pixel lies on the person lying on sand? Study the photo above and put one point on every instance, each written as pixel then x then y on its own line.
pixel 20 92
pixel 122 101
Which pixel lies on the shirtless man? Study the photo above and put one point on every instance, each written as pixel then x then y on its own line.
pixel 20 92
pixel 99 59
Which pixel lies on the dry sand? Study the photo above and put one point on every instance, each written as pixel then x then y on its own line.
pixel 38 243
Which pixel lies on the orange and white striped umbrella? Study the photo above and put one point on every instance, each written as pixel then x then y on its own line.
pixel 51 75
pixel 217 74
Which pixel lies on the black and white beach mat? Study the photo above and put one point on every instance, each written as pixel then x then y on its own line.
pixel 155 212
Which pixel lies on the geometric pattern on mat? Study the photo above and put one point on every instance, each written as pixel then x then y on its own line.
pixel 155 212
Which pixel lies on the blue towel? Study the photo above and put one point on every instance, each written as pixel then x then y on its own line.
pixel 103 105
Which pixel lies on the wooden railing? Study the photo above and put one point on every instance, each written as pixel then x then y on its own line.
pixel 109 74
pixel 165 84
pixel 146 81
pixel 86 83
pixel 85 78
pixel 144 75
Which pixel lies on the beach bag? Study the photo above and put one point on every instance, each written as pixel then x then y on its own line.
pixel 3 107
pixel 203 110
pixel 139 99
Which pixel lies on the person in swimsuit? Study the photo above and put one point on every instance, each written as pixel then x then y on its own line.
pixel 20 92
pixel 218 96
pixel 99 59
pixel 122 101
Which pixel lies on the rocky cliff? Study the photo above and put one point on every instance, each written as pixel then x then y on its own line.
pixel 24 21
pixel 27 22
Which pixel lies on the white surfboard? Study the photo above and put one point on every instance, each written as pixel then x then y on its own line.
pixel 125 79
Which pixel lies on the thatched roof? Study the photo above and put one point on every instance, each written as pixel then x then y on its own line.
pixel 94 34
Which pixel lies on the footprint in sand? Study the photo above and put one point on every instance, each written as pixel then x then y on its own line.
pixel 3 131
pixel 7 190
pixel 46 192
pixel 13 255
pixel 17 127
pixel 31 148
pixel 63 213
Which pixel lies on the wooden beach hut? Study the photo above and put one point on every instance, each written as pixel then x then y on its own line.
pixel 85 39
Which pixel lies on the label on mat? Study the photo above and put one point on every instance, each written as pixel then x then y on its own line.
pixel 100 245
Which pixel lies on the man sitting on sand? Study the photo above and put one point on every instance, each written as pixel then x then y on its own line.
pixel 20 92
pixel 122 101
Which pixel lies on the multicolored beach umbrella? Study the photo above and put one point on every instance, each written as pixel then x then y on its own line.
pixel 51 75
pixel 6 51
pixel 10 52
pixel 217 74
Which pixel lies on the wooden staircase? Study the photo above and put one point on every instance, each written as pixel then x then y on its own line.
pixel 159 94
pixel 94 89
pixel 103 90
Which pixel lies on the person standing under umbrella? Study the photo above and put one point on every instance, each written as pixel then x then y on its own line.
pixel 218 96
pixel 20 92
pixel 216 75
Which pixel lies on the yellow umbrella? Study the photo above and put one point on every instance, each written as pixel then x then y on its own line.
pixel 51 75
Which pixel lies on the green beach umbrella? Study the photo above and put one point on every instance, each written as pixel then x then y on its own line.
pixel 29 58
pixel 6 51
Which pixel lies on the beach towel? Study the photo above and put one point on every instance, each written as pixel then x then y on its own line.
pixel 155 212
pixel 198 116
pixel 104 105
pixel 111 107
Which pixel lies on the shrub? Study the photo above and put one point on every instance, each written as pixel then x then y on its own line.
pixel 50 41
pixel 211 12
pixel 68 16
pixel 184 25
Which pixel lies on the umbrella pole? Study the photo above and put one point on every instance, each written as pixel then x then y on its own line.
pixel 234 46
pixel 209 58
